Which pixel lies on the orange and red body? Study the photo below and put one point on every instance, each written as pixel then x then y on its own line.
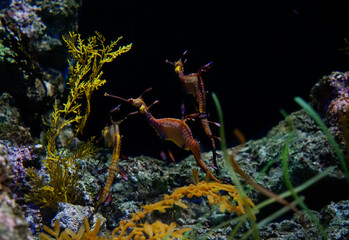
pixel 112 138
pixel 171 129
pixel 193 84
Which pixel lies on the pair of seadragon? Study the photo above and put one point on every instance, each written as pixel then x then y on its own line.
pixel 168 129
pixel 177 131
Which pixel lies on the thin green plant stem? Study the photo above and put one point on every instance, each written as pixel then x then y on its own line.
pixel 186 235
pixel 300 188
pixel 327 133
pixel 276 214
pixel 238 220
pixel 270 218
pixel 261 173
pixel 236 228
pixel 251 212
pixel 228 164
pixel 287 179
pixel 200 224
pixel 269 201
pixel 167 236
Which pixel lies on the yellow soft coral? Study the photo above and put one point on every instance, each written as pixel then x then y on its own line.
pixel 209 189
pixel 87 60
pixel 132 229
pixel 84 233
pixel 85 75
pixel 229 203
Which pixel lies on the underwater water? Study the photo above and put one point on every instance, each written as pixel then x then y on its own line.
pixel 111 166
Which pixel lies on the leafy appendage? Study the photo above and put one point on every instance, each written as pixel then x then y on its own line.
pixel 61 166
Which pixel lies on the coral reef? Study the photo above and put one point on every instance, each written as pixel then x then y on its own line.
pixel 132 229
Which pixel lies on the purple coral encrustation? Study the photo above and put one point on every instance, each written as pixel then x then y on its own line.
pixel 24 14
pixel 18 157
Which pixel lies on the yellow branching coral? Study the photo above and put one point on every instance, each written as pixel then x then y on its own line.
pixel 87 59
pixel 85 72
pixel 84 233
pixel 132 229
pixel 229 203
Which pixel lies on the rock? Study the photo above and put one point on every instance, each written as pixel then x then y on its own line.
pixel 72 216
pixel 11 128
pixel 330 98
pixel 33 55
pixel 4 168
pixel 13 225
pixel 334 219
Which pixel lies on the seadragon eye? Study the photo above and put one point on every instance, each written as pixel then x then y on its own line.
pixel 179 68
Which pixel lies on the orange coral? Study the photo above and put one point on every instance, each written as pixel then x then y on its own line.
pixel 211 190
pixel 131 229
pixel 84 233
pixel 229 203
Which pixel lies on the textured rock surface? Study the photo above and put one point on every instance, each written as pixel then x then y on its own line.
pixel 71 216
pixel 309 154
pixel 32 54
pixel 334 218
pixel 330 98
pixel 13 225
pixel 11 128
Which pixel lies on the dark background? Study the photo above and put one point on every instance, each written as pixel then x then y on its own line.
pixel 264 54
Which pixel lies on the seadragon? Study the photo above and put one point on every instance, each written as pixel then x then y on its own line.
pixel 170 129
pixel 112 138
pixel 193 84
